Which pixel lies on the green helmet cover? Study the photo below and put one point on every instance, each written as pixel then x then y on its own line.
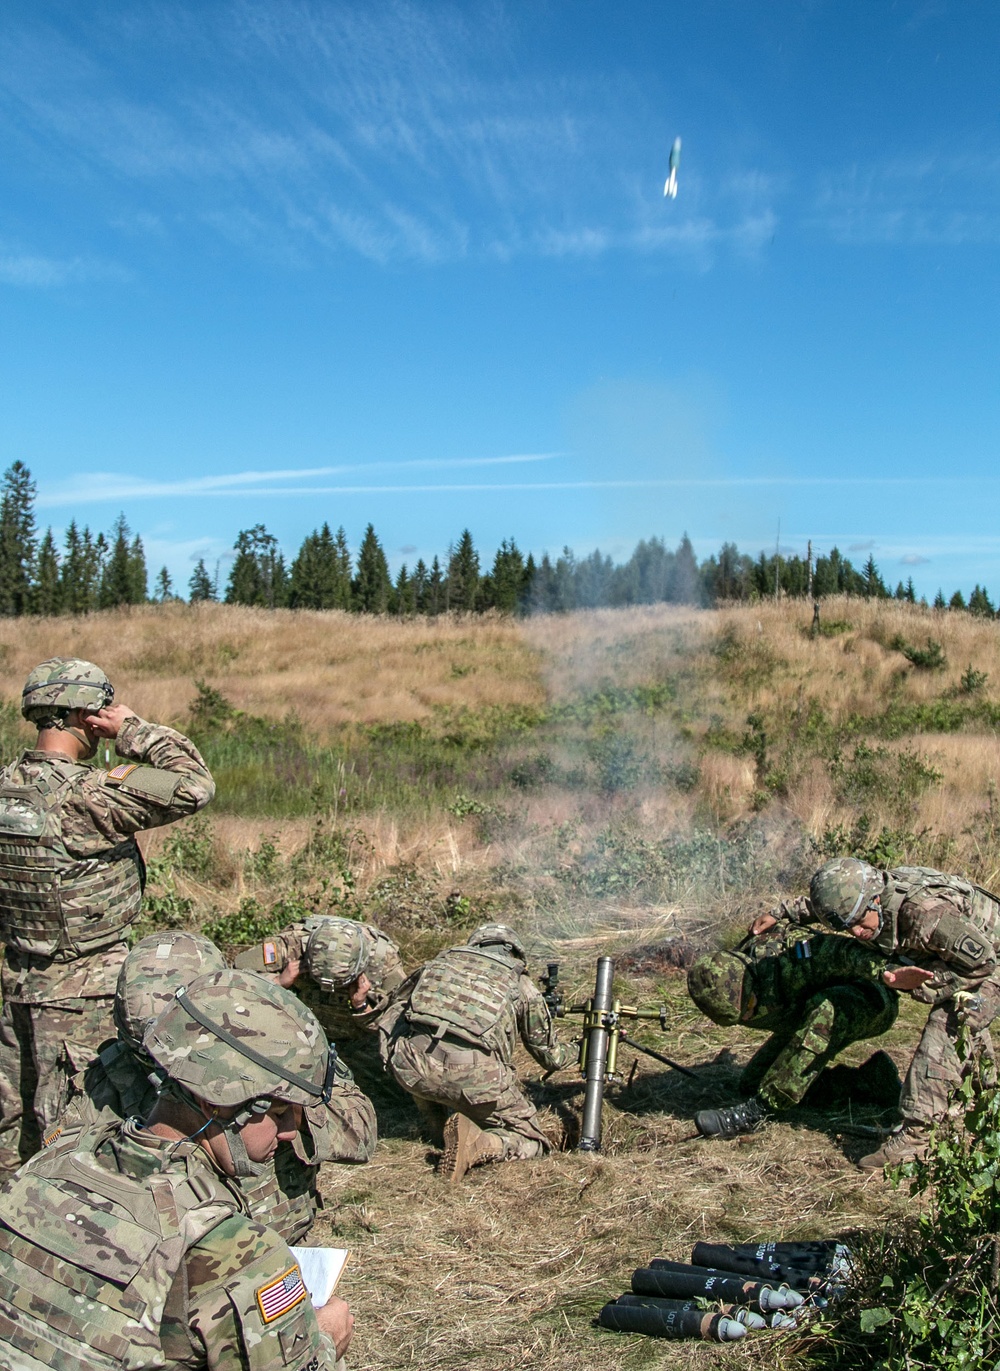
pixel 715 983
pixel 842 891
pixel 336 953
pixel 488 935
pixel 152 973
pixel 234 1036
pixel 64 683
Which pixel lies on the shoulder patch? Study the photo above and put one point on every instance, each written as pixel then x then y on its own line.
pixel 118 773
pixel 149 782
pixel 278 1296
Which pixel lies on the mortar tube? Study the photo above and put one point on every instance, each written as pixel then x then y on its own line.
pixel 597 1057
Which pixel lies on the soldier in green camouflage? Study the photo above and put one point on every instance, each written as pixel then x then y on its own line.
pixel 814 993
pixel 345 971
pixel 941 936
pixel 449 1040
pixel 71 878
pixel 131 1246
pixel 119 1084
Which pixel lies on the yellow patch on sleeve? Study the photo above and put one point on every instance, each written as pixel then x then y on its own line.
pixel 280 1295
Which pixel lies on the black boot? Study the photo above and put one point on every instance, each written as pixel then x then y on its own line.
pixel 728 1123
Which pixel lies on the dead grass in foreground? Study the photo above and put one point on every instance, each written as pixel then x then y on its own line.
pixel 509 1269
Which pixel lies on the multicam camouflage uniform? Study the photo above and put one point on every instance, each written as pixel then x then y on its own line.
pixel 815 993
pixel 117 1086
pixel 450 1042
pixel 71 878
pixel 157 1262
pixel 946 925
pixel 333 952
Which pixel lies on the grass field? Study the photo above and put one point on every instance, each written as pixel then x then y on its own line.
pixel 610 782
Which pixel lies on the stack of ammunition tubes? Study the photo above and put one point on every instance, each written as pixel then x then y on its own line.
pixel 727 1291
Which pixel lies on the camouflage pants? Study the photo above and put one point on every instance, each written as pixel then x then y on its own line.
pixel 42 1047
pixel 474 1083
pixel 936 1069
pixel 784 1068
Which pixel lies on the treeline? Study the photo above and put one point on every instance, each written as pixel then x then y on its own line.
pixel 103 571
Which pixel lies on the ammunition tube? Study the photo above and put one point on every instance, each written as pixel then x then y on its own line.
pixel 670 1323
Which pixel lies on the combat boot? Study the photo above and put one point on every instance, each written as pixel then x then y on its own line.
pixel 906 1144
pixel 728 1123
pixel 467 1145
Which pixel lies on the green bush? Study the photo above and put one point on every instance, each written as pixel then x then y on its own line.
pixel 927 1297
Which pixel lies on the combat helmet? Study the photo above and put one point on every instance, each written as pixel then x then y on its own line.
pixel 336 952
pixel 61 684
pixel 842 891
pixel 715 983
pixel 233 1038
pixel 489 935
pixel 151 974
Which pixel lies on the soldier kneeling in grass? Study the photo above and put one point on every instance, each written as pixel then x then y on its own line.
pixel 449 1040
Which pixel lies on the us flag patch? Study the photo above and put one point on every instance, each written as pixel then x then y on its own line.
pixel 270 954
pixel 119 773
pixel 281 1295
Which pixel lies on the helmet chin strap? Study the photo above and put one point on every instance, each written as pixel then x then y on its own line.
pixel 232 1128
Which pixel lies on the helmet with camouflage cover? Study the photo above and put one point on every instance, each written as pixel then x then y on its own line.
pixel 233 1036
pixel 336 952
pixel 715 983
pixel 151 974
pixel 489 935
pixel 842 891
pixel 61 684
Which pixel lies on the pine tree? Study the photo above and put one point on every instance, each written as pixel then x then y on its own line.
pixel 504 586
pixel 258 575
pixel 421 579
pixel 164 586
pixel 372 586
pixel 318 578
pixel 342 571
pixel 17 540
pixel 911 593
pixel 980 603
pixel 463 575
pixel 200 587
pixel 404 598
pixel 47 592
pixel 874 586
pixel 939 600
pixel 435 589
pixel 957 601
pixel 123 577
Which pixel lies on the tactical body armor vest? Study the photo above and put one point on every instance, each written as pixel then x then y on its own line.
pixel 964 938
pixel 51 903
pixel 88 1256
pixel 471 993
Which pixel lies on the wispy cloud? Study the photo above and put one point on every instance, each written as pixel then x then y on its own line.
pixel 32 270
pixel 946 198
pixel 398 132
pixel 101 487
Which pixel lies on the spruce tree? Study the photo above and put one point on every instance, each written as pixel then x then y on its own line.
pixel 421 579
pixel 404 600
pixel 317 578
pixel 874 586
pixel 164 586
pixel 957 601
pixel 684 578
pixel 47 593
pixel 341 571
pixel 504 586
pixel 123 580
pixel 939 600
pixel 17 540
pixel 435 589
pixel 258 575
pixel 980 603
pixel 372 587
pixel 200 587
pixel 463 575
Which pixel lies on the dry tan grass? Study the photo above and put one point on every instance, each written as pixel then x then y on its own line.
pixel 327 667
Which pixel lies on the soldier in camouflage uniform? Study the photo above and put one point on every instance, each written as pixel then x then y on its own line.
pixel 449 1040
pixel 71 878
pixel 814 993
pixel 130 1246
pixel 941 936
pixel 119 1084
pixel 345 971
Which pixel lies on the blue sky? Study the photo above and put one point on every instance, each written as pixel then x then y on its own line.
pixel 302 260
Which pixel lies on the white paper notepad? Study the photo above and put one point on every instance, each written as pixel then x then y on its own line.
pixel 321 1268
